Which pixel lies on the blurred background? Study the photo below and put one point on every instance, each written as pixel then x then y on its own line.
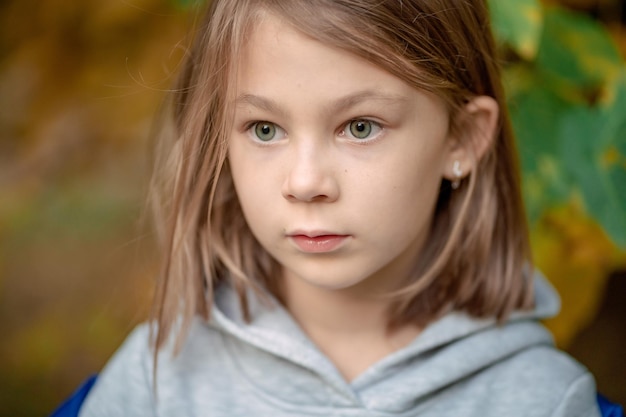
pixel 81 83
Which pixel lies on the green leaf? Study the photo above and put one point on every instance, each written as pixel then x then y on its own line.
pixel 593 149
pixel 567 108
pixel 578 56
pixel 518 24
pixel 535 114
pixel 568 149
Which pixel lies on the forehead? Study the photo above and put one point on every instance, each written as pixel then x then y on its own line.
pixel 276 54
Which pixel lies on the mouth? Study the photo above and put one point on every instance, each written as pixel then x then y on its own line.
pixel 317 242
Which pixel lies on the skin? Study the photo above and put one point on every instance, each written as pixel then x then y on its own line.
pixel 325 143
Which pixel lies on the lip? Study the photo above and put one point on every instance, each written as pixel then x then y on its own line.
pixel 317 242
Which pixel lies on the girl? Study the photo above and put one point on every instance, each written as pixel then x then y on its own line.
pixel 344 229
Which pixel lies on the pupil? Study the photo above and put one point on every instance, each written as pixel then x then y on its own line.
pixel 266 130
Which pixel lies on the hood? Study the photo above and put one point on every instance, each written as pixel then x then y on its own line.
pixel 272 347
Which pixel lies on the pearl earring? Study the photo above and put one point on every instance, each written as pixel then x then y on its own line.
pixel 458 172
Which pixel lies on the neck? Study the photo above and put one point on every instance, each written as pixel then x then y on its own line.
pixel 347 325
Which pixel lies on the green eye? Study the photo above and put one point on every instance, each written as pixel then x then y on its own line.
pixel 360 129
pixel 265 131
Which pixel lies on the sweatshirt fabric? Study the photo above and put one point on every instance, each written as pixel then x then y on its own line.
pixel 457 366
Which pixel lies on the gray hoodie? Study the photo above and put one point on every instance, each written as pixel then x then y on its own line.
pixel 458 366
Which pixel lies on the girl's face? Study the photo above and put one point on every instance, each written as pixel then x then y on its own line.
pixel 337 164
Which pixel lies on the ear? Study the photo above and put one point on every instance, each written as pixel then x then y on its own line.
pixel 475 131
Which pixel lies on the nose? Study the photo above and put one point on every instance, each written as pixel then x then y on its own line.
pixel 310 176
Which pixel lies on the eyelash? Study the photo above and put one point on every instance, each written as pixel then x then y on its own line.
pixel 345 131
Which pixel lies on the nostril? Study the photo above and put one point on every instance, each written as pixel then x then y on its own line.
pixel 307 198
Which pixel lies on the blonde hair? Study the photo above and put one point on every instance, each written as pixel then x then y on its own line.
pixel 478 254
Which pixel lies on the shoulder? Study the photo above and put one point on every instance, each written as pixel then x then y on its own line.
pixel 544 382
pixel 124 383
pixel 515 370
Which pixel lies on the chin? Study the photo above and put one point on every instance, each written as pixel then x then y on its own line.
pixel 331 279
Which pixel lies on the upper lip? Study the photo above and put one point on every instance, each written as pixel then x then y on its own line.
pixel 314 233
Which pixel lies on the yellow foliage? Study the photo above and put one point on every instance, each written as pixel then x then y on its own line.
pixel 576 255
pixel 612 157
pixel 528 45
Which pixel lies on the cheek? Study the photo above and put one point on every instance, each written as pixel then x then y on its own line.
pixel 254 190
pixel 413 176
pixel 249 192
pixel 402 197
pixel 241 181
pixel 243 171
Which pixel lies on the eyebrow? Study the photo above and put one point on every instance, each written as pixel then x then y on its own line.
pixel 342 103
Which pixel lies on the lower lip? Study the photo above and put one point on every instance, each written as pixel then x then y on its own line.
pixel 318 244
